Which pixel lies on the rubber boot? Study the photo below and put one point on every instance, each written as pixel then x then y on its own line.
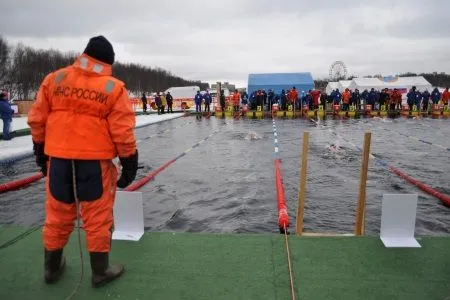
pixel 54 264
pixel 102 272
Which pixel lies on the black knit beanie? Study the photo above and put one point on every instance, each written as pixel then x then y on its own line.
pixel 101 49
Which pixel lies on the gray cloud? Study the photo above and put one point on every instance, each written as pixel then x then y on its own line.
pixel 211 40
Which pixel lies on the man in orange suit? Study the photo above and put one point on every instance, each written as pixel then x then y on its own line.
pixel 81 120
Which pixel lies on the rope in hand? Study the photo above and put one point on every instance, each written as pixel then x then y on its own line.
pixel 77 203
pixel 291 277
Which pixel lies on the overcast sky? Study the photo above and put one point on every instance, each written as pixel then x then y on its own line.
pixel 226 40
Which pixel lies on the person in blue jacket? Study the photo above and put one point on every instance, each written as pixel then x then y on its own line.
pixel 198 102
pixel 356 99
pixel 336 95
pixel 309 100
pixel 270 97
pixel 208 100
pixel 158 103
pixel 418 100
pixel 276 100
pixel 365 96
pixel 6 113
pixel 283 100
pixel 253 101
pixel 302 98
pixel 244 97
pixel 411 98
pixel 435 96
pixel 372 98
pixel 425 99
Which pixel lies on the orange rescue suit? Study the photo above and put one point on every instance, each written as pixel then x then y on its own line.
pixel 396 97
pixel 236 98
pixel 346 97
pixel 445 97
pixel 85 118
pixel 293 96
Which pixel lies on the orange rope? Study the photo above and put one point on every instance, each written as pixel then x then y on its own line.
pixel 291 277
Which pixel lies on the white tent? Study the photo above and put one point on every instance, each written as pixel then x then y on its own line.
pixel 343 84
pixel 403 83
pixel 331 86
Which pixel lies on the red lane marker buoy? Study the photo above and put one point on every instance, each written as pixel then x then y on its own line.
pixel 16 184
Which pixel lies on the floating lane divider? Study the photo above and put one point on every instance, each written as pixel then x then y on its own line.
pixel 427 189
pixel 138 184
pixel 422 141
pixel 17 184
pixel 283 217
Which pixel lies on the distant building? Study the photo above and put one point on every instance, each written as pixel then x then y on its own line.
pixel 224 85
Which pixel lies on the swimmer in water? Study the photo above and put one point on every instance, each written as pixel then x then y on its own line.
pixel 252 136
pixel 333 148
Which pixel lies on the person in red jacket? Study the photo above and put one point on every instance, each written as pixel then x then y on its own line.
pixel 346 95
pixel 316 96
pixel 446 96
pixel 395 100
pixel 82 118
pixel 236 99
pixel 293 97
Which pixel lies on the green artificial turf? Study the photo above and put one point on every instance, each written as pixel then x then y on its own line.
pixel 362 268
pixel 214 266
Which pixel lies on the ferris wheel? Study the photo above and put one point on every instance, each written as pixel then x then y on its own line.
pixel 338 70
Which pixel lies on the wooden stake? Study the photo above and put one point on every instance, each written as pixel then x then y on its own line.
pixel 361 208
pixel 301 191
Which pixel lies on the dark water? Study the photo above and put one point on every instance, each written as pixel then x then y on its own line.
pixel 227 183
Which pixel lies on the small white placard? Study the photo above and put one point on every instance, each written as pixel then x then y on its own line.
pixel 398 221
pixel 15 107
pixel 128 216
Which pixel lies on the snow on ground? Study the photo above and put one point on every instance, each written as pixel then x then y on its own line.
pixel 144 120
pixel 19 123
pixel 23 146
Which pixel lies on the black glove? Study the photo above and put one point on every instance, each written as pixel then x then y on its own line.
pixel 129 169
pixel 41 158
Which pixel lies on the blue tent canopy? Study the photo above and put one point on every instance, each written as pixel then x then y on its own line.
pixel 280 81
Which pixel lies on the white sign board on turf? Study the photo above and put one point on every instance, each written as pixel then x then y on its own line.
pixel 398 221
pixel 128 216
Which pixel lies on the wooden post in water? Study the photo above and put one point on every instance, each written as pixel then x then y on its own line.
pixel 361 208
pixel 301 191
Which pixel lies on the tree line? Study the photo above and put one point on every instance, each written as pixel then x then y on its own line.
pixel 435 79
pixel 23 68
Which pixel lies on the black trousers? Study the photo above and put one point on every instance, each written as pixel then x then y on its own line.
pixel 345 107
